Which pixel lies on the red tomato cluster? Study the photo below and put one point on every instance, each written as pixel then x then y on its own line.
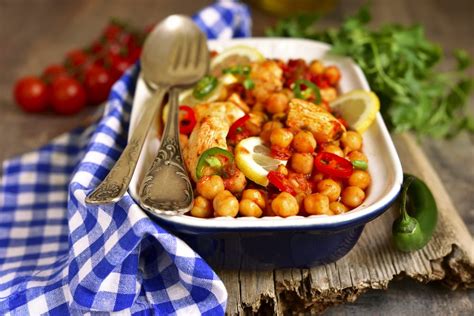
pixel 85 76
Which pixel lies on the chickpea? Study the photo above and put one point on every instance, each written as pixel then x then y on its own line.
pixel 316 67
pixel 330 188
pixel 281 137
pixel 302 163
pixel 318 176
pixel 258 107
pixel 359 178
pixel 210 186
pixel 236 183
pixel 332 74
pixel 333 149
pixel 183 140
pixel 255 196
pixel 317 204
pixel 225 204
pixel 285 205
pixel 201 208
pixel 357 155
pixel 261 93
pixel 338 207
pixel 351 140
pixel 304 142
pixel 328 94
pixel 249 208
pixel 282 169
pixel 352 196
pixel 277 103
pixel 267 129
pixel 288 93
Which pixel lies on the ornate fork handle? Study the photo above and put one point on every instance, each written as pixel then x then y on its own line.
pixel 114 186
pixel 166 188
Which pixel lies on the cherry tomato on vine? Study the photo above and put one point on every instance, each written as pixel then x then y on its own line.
pixel 52 72
pixel 67 96
pixel 76 58
pixel 97 83
pixel 31 94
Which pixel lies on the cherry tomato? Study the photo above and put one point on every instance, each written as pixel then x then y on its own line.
pixel 31 94
pixel 52 72
pixel 67 96
pixel 118 66
pixel 76 58
pixel 112 32
pixel 97 84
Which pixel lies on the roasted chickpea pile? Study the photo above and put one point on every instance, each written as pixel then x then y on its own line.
pixel 322 169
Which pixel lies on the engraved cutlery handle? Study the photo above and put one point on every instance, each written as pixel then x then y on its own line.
pixel 114 186
pixel 166 188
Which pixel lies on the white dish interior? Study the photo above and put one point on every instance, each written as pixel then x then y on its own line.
pixel 384 164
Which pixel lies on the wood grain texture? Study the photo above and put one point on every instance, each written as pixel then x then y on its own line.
pixel 36 33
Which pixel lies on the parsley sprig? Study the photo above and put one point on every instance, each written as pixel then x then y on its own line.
pixel 400 65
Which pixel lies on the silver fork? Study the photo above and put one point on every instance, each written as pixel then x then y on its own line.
pixel 166 188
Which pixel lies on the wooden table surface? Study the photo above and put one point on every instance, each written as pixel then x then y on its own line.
pixel 36 33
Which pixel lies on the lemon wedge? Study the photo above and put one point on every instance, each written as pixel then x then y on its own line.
pixel 235 55
pixel 359 108
pixel 253 159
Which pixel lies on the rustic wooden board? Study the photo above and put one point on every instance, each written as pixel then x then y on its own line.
pixel 372 264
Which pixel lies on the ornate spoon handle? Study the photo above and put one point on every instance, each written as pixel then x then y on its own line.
pixel 166 188
pixel 114 186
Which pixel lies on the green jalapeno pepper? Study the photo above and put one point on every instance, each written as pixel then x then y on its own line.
pixel 360 164
pixel 418 215
pixel 311 89
pixel 210 158
pixel 204 87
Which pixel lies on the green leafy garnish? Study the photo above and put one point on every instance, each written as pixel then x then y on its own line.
pixel 238 70
pixel 400 65
pixel 248 84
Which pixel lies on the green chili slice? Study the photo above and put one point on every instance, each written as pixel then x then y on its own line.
pixel 360 164
pixel 307 93
pixel 210 158
pixel 248 84
pixel 204 87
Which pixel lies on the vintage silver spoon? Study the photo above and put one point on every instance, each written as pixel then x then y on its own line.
pixel 160 52
pixel 166 188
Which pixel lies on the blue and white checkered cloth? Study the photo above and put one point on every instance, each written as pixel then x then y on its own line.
pixel 59 256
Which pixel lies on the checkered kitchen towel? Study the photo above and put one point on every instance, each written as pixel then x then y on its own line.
pixel 60 256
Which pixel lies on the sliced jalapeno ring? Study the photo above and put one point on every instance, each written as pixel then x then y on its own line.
pixel 204 87
pixel 307 93
pixel 210 158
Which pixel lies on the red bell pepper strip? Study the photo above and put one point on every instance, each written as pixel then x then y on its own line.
pixel 333 165
pixel 186 121
pixel 280 182
pixel 238 128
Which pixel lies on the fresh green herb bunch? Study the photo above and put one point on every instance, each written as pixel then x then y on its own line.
pixel 399 63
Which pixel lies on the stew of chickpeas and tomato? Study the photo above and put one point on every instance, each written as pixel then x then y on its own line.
pixel 286 105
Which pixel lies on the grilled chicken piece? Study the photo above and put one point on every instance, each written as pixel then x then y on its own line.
pixel 267 77
pixel 213 123
pixel 314 118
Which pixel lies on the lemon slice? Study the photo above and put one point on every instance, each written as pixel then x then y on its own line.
pixel 234 55
pixel 253 159
pixel 358 107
